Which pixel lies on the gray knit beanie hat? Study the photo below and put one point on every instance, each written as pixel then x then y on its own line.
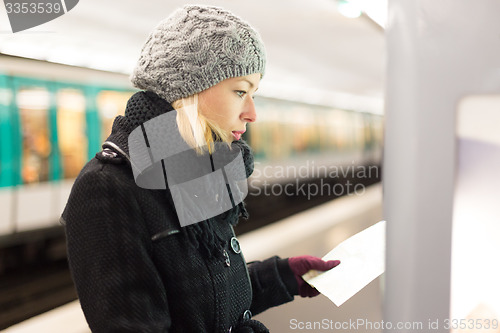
pixel 195 48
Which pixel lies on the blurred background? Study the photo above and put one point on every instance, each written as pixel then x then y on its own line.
pixel 332 110
pixel 320 113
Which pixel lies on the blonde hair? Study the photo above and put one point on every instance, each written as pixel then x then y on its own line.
pixel 197 130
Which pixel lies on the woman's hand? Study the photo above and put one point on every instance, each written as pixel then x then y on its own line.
pixel 302 264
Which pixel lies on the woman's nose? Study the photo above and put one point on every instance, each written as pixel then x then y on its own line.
pixel 249 113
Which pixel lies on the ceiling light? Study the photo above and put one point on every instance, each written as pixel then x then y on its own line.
pixel 349 8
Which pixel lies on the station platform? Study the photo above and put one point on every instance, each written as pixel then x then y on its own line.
pixel 314 232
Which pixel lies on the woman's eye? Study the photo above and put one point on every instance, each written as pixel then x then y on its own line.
pixel 240 93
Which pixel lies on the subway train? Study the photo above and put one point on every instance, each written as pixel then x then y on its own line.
pixel 53 118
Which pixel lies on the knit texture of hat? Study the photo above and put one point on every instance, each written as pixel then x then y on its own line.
pixel 194 49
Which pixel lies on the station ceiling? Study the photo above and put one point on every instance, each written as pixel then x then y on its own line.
pixel 314 53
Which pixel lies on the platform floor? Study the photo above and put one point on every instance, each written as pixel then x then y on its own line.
pixel 313 232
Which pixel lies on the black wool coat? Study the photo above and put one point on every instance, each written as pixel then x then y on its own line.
pixel 130 259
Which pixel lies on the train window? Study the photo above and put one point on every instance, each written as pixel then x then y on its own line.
pixel 73 143
pixel 335 129
pixel 33 105
pixel 302 125
pixel 257 130
pixel 358 130
pixel 110 104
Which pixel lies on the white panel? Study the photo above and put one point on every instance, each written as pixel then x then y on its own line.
pixel 476 220
pixel 438 51
pixel 479 118
pixel 35 206
pixel 6 201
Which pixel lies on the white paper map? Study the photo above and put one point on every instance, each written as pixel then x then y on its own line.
pixel 362 259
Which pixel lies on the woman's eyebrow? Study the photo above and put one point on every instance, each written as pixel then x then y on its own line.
pixel 250 82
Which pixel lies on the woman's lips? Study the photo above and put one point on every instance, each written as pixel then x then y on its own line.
pixel 237 134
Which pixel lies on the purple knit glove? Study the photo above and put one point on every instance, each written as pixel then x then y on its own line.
pixel 301 265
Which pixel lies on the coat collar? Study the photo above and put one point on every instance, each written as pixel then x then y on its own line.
pixel 141 107
pixel 146 105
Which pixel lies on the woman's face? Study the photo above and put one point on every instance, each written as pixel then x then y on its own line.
pixel 229 104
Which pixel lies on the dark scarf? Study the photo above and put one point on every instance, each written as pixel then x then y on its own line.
pixel 145 105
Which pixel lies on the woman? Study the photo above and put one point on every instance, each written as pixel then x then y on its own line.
pixel 135 266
